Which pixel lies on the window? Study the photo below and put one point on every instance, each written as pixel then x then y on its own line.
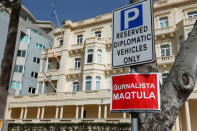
pixel 99 56
pixel 163 22
pixel 32 90
pixel 24 38
pixel 98 82
pixel 90 56
pixel 192 14
pixel 98 34
pixel 165 50
pixel 40 46
pixel 88 83
pixel 79 39
pixel 75 86
pixel 36 60
pixel 77 62
pixel 84 114
pixel 18 68
pixel 49 66
pixel 21 53
pixel 34 74
pixel 61 42
pixel 164 77
pixel 15 85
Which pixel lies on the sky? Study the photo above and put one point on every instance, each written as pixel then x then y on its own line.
pixel 73 10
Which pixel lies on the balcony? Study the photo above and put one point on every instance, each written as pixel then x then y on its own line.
pixel 164 31
pixel 96 40
pixel 166 60
pixel 67 98
pixel 52 74
pixel 74 72
pixel 190 21
pixel 76 49
pixel 48 52
pixel 164 3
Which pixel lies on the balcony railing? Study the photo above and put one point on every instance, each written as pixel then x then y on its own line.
pixel 161 3
pixel 190 21
pixel 166 30
pixel 96 40
pixel 74 71
pixel 166 59
pixel 73 120
pixel 49 73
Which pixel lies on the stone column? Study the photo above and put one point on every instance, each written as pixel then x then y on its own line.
pixel 43 83
pixel 188 121
pixel 105 111
pixel 46 66
pixel 10 112
pixel 82 110
pixel 61 112
pixel 99 112
pixel 124 115
pixel 177 124
pixel 25 115
pixel 42 115
pixel 41 64
pixel 57 112
pixel 38 113
pixel 37 88
pixel 77 112
pixel 21 116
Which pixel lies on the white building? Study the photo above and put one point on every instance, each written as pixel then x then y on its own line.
pixel 82 81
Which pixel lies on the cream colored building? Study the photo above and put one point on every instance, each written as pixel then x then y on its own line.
pixel 80 89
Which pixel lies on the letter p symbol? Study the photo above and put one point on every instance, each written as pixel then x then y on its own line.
pixel 131 17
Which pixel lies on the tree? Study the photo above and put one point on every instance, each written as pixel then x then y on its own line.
pixel 174 93
pixel 7 61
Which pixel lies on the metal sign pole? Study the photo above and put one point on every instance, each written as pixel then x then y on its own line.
pixel 134 121
pixel 134 115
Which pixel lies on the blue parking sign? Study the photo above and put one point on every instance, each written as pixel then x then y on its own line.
pixel 133 35
pixel 131 17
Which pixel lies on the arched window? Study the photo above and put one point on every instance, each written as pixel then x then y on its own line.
pixel 90 56
pixel 75 86
pixel 98 82
pixel 99 56
pixel 88 83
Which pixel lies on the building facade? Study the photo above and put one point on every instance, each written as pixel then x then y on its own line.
pixel 78 89
pixel 32 37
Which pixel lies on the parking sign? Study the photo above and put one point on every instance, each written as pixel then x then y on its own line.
pixel 133 35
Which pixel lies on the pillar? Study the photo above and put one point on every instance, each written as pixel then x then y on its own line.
pixel 57 112
pixel 21 116
pixel 42 116
pixel 124 115
pixel 77 112
pixel 46 66
pixel 43 83
pixel 61 112
pixel 25 115
pixel 82 110
pixel 105 111
pixel 10 112
pixel 188 121
pixel 38 113
pixel 99 112
pixel 177 124
pixel 37 88
pixel 41 64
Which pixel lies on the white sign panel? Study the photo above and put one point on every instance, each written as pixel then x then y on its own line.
pixel 133 35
